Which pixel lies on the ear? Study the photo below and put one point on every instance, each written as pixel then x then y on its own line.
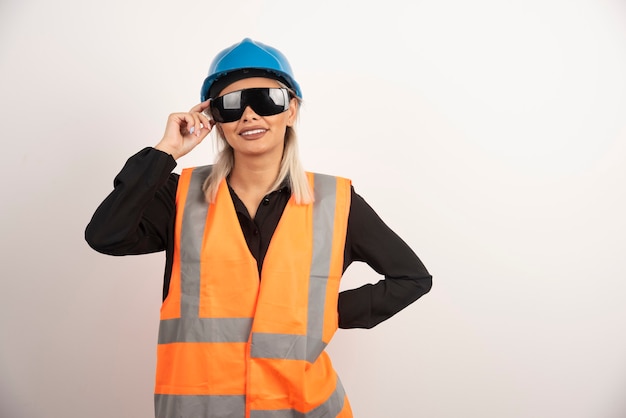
pixel 292 112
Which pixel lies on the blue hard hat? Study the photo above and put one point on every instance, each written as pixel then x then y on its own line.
pixel 249 55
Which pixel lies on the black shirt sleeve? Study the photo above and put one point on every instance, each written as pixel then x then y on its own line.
pixel 370 240
pixel 138 216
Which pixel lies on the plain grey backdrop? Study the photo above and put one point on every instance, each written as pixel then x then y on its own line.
pixel 490 135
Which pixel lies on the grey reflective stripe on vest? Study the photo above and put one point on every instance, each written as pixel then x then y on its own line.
pixel 329 409
pixel 196 406
pixel 309 347
pixel 191 235
pixel 323 232
pixel 205 330
pixel 234 406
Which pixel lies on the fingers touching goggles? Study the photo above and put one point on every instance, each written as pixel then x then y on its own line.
pixel 264 101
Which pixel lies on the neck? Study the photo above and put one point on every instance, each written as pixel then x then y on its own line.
pixel 254 175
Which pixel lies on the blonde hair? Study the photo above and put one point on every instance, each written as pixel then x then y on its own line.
pixel 291 168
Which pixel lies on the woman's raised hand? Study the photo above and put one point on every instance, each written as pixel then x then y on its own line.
pixel 185 130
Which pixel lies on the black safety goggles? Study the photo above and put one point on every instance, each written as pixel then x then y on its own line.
pixel 264 101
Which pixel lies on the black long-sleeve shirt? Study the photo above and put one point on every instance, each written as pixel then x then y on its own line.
pixel 138 218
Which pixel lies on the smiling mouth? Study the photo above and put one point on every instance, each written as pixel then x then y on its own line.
pixel 253 132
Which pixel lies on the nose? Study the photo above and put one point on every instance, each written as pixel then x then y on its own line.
pixel 249 114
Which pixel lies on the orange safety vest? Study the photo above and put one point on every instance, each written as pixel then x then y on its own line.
pixel 232 344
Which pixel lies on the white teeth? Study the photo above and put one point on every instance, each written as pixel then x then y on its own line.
pixel 252 132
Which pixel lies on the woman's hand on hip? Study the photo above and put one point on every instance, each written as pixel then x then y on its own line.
pixel 184 131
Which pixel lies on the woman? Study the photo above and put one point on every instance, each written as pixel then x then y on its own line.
pixel 255 251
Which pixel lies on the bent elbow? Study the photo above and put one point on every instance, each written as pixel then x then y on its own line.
pixel 427 284
pixel 98 240
pixel 94 240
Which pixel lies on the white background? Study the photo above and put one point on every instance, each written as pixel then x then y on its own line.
pixel 490 135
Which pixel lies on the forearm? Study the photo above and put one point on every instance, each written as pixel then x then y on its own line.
pixel 371 304
pixel 406 279
pixel 135 217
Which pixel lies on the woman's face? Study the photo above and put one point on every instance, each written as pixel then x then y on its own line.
pixel 255 135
